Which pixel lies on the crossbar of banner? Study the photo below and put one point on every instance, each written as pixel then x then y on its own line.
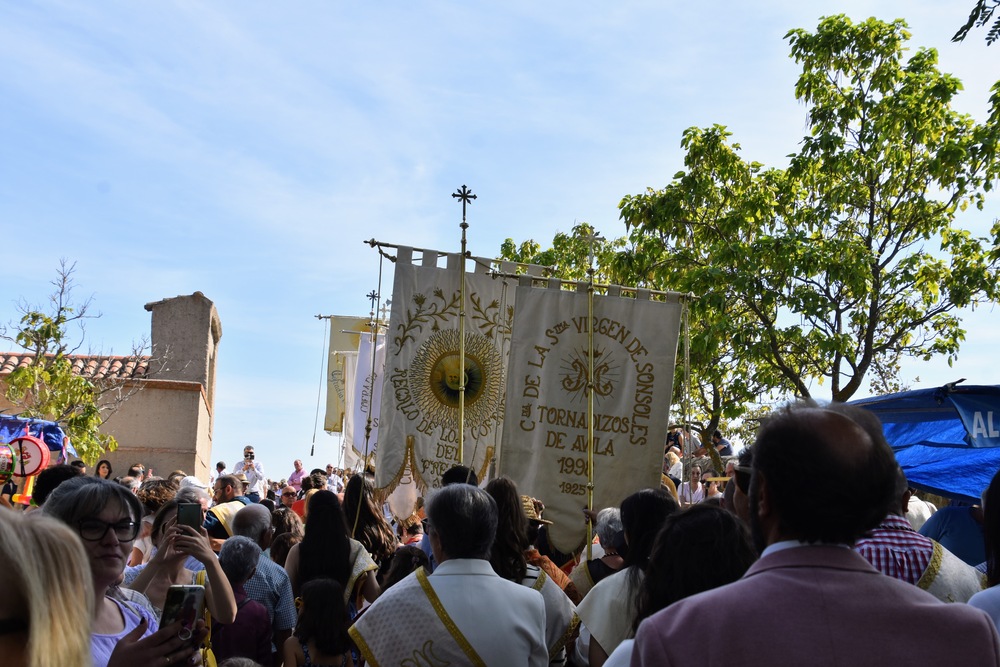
pixel 380 244
pixel 680 297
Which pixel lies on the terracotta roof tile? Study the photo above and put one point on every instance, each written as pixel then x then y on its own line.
pixel 95 367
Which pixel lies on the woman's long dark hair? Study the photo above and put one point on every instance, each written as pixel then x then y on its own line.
pixel 325 550
pixel 643 514
pixel 324 618
pixel 698 549
pixel 404 562
pixel 372 530
pixel 507 555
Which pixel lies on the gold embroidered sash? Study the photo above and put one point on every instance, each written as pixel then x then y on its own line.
pixel 411 628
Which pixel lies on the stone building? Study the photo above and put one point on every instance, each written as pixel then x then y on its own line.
pixel 166 423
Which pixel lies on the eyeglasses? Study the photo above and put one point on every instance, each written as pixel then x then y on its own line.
pixel 288 493
pixel 94 530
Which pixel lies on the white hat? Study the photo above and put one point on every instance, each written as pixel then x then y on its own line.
pixel 191 480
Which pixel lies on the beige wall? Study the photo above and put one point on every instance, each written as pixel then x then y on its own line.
pixel 165 426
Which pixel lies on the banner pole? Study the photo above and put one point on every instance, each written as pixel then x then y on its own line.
pixel 590 395
pixel 464 195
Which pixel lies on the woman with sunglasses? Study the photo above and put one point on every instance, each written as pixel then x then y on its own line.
pixel 106 516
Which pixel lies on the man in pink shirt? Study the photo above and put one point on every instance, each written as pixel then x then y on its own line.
pixel 295 479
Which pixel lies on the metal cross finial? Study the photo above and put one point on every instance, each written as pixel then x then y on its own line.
pixel 385 309
pixel 373 297
pixel 464 195
pixel 593 238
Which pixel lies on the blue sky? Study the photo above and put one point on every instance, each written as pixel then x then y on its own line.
pixel 246 149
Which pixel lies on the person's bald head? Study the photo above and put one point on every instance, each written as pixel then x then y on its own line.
pixel 828 471
pixel 254 521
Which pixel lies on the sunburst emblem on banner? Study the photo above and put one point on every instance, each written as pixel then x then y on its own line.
pixel 434 379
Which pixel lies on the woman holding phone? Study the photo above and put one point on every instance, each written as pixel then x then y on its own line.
pixel 174 542
pixel 106 517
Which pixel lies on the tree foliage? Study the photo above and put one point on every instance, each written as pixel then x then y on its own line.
pixel 827 270
pixel 981 16
pixel 569 256
pixel 47 388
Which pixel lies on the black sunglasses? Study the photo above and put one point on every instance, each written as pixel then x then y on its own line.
pixel 94 530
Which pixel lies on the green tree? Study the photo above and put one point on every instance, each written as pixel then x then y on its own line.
pixel 569 256
pixel 47 388
pixel 980 16
pixel 827 266
pixel 665 251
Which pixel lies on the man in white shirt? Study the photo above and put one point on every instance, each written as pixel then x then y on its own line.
pixel 256 481
pixel 691 492
pixel 334 482
pixel 220 470
pixel 464 613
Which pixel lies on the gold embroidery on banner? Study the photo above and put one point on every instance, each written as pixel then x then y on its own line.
pixel 446 619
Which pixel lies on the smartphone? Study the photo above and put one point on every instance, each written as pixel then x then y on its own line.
pixel 185 603
pixel 189 514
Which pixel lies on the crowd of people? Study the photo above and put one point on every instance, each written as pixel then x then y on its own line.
pixel 809 548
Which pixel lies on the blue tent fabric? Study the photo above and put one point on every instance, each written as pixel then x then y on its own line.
pixel 49 432
pixel 947 439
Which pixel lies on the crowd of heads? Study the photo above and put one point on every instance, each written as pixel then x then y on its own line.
pixel 667 553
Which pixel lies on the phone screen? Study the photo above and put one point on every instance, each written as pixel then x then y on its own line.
pixel 189 514
pixel 184 603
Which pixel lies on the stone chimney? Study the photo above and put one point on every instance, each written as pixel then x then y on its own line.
pixel 185 340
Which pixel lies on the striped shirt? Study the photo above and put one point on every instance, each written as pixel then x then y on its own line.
pixel 896 550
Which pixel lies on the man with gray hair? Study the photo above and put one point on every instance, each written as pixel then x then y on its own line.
pixel 463 613
pixel 249 636
pixel 269 585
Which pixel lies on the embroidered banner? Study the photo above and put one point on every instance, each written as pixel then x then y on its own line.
pixel 365 397
pixel 420 396
pixel 350 365
pixel 544 444
pixel 344 331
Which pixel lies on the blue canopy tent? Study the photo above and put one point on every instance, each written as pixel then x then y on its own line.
pixel 947 440
pixel 50 433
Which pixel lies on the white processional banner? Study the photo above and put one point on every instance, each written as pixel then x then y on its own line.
pixel 366 396
pixel 349 362
pixel 544 445
pixel 344 331
pixel 418 429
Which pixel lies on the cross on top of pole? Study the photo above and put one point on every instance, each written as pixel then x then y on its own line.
pixel 464 195
pixel 592 238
